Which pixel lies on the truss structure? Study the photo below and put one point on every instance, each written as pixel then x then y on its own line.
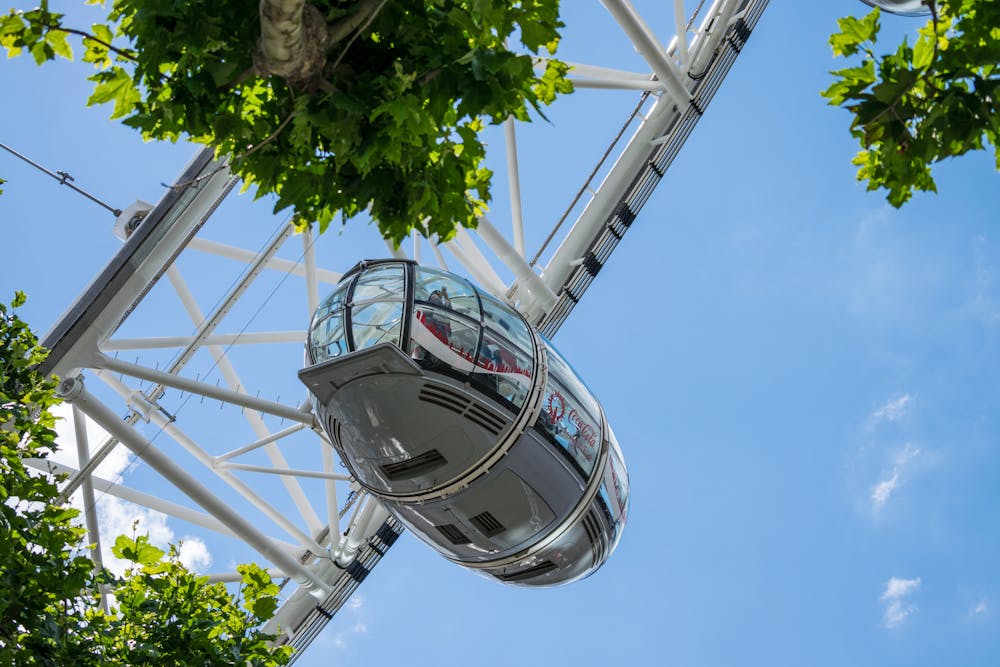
pixel 179 350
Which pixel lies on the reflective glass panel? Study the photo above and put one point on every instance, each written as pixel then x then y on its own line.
pixel 376 322
pixel 384 281
pixel 327 338
pixel 501 318
pixel 564 420
pixel 334 302
pixel 446 290
pixel 616 483
pixel 438 334
pixel 566 376
pixel 503 368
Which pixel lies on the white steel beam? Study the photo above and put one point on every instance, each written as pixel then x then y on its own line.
pixel 154 503
pixel 73 391
pixel 290 472
pixel 713 29
pixel 438 254
pixel 274 437
pixel 248 338
pixel 526 276
pixel 236 577
pixel 309 259
pixel 600 207
pixel 469 256
pixel 130 274
pixel 650 85
pixel 87 491
pixel 207 390
pixel 398 253
pixel 416 245
pixel 275 263
pixel 649 47
pixel 330 491
pixel 231 378
pixel 170 428
pixel 682 40
pixel 514 181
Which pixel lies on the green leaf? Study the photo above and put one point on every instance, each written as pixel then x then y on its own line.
pixel 138 550
pixel 102 32
pixel 115 86
pixel 923 51
pixel 57 40
pixel 891 90
pixel 854 32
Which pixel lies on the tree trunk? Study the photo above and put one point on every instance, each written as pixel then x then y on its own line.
pixel 293 40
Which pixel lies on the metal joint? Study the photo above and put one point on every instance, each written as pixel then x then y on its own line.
pixel 592 264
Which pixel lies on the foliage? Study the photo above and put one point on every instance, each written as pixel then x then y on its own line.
pixel 41 573
pixel 49 611
pixel 923 103
pixel 167 615
pixel 393 122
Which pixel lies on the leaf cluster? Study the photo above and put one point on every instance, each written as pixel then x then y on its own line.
pixel 922 103
pixel 167 615
pixel 391 127
pixel 49 610
pixel 41 571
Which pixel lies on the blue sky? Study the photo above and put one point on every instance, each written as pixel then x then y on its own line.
pixel 803 379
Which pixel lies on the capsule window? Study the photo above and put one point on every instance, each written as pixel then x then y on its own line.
pixel 376 322
pixel 445 290
pixel 564 421
pixel 382 282
pixel 333 303
pixel 501 318
pixel 327 338
pixel 503 369
pixel 618 477
pixel 560 369
pixel 439 336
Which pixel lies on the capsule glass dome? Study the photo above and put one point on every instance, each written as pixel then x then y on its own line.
pixel 467 424
pixel 901 7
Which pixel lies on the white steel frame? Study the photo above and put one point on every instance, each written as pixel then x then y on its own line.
pixel 327 550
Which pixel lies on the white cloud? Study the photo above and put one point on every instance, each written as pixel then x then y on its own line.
pixel 194 555
pixel 981 609
pixel 891 481
pixel 884 489
pixel 116 516
pixel 905 455
pixel 111 468
pixel 897 609
pixel 893 410
pixel 898 588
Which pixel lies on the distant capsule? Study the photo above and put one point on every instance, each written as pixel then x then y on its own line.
pixel 901 7
pixel 466 424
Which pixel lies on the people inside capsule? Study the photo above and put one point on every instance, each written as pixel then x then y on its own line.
pixel 466 423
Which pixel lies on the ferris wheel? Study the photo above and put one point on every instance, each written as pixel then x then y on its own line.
pixel 184 349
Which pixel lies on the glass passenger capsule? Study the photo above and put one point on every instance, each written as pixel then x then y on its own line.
pixel 901 7
pixel 466 423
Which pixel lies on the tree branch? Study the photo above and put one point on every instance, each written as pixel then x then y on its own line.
pixel 271 137
pixel 128 55
pixel 341 28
